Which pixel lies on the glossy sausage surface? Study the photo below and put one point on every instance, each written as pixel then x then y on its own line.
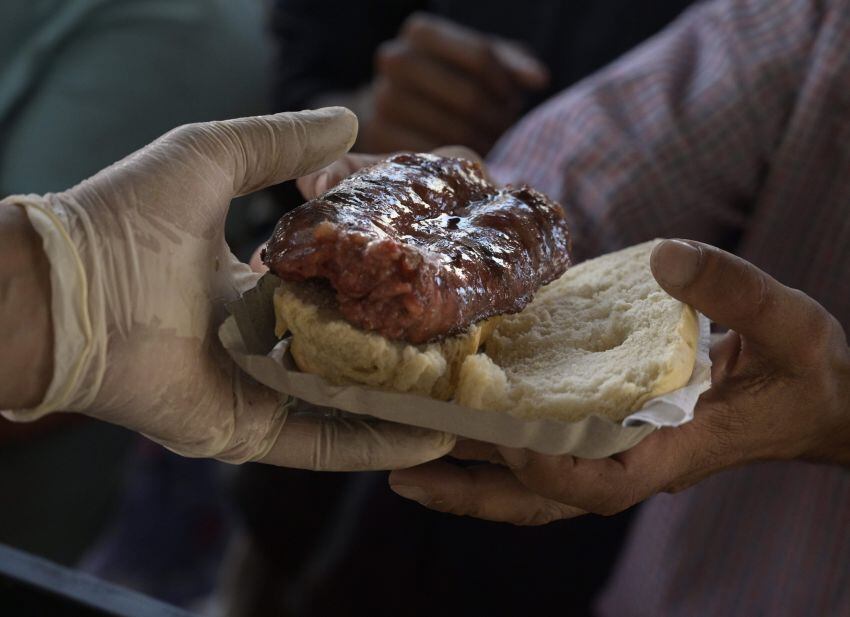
pixel 419 247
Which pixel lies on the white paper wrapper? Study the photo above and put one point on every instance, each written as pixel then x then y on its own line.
pixel 248 336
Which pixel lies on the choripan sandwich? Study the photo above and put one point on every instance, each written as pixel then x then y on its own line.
pixel 419 275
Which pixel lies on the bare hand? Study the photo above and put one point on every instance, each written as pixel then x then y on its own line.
pixel 438 82
pixel 781 378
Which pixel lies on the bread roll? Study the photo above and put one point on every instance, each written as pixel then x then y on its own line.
pixel 602 339
pixel 325 344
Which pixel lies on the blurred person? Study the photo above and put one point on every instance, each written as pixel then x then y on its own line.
pixel 730 128
pixel 425 73
pixel 82 84
pixel 421 74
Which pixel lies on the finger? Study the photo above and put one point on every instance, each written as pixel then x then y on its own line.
pixel 382 135
pixel 716 337
pixel 314 184
pixel 459 152
pixel 405 108
pixel 485 491
pixel 435 82
pixel 603 486
pixel 464 49
pixel 523 66
pixel 473 450
pixel 724 354
pixel 734 293
pixel 668 459
pixel 259 151
pixel 256 262
pixel 673 459
pixel 330 442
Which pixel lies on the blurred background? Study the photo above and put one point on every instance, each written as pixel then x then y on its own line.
pixel 84 83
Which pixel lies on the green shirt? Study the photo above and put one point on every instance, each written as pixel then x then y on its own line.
pixel 85 82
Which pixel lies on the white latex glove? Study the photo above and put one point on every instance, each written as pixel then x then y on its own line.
pixel 140 272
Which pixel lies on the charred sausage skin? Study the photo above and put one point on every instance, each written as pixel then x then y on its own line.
pixel 419 247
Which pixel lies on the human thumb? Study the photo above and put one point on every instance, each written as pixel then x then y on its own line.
pixel 736 294
pixel 260 151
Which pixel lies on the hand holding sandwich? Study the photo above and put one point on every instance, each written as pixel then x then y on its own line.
pixel 781 390
pixel 134 268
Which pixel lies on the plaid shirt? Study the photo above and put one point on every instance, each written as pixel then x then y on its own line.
pixel 731 127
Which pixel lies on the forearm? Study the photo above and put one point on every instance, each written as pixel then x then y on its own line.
pixel 26 330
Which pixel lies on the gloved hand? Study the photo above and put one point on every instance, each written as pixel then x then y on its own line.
pixel 140 272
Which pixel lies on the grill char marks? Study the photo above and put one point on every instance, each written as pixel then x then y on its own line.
pixel 419 247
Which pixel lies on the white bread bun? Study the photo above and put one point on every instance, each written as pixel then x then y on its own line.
pixel 602 339
pixel 325 344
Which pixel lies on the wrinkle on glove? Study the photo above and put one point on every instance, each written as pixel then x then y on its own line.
pixel 329 440
pixel 140 274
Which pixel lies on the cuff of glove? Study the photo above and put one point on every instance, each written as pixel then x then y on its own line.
pixel 75 341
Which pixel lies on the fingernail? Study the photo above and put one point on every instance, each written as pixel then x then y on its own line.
pixel 411 492
pixel 675 263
